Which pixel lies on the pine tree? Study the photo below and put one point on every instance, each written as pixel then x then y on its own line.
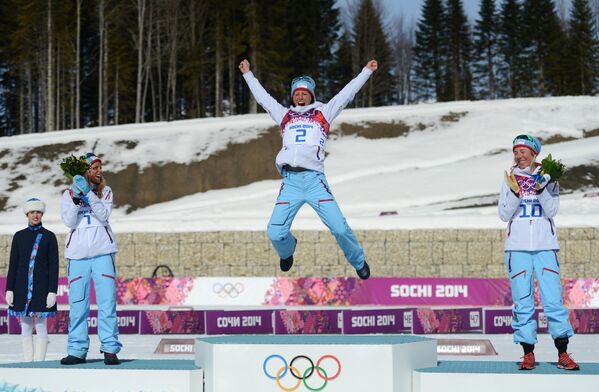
pixel 583 50
pixel 458 77
pixel 371 42
pixel 512 67
pixel 544 43
pixel 429 57
pixel 486 50
pixel 341 70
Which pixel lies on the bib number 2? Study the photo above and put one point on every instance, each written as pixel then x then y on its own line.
pixel 300 135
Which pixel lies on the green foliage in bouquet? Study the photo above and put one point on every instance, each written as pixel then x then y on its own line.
pixel 555 169
pixel 71 166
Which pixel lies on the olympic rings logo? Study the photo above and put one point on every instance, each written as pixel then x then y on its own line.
pixel 227 290
pixel 302 376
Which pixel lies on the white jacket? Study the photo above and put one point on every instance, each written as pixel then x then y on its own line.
pixel 305 129
pixel 90 234
pixel 530 216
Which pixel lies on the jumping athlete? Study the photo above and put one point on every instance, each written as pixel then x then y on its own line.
pixel 32 280
pixel 304 130
pixel 529 200
pixel 90 250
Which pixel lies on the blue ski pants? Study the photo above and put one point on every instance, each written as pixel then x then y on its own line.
pixel 522 266
pixel 102 270
pixel 310 187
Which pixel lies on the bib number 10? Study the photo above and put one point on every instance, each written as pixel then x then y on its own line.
pixel 531 210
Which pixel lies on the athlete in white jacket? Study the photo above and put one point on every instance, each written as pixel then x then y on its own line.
pixel 90 250
pixel 529 200
pixel 304 130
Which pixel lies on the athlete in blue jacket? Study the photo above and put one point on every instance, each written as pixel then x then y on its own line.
pixel 304 130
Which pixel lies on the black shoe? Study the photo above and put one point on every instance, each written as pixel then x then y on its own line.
pixel 71 360
pixel 287 263
pixel 364 272
pixel 111 359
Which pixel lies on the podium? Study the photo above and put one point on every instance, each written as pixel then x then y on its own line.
pixel 382 363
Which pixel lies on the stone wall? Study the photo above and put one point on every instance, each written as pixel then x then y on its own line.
pixel 425 253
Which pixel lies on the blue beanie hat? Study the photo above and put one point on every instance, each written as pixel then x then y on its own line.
pixel 529 142
pixel 305 83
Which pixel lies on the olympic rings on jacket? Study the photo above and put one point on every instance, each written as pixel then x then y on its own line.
pixel 228 289
pixel 298 374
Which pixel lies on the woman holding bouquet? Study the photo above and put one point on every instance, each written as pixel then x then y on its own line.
pixel 90 250
pixel 529 200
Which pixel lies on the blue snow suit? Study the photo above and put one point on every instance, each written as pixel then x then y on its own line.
pixel 531 248
pixel 90 250
pixel 304 130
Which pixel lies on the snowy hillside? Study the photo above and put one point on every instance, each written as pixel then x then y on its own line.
pixel 444 173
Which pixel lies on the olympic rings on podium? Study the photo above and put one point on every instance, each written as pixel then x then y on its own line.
pixel 298 374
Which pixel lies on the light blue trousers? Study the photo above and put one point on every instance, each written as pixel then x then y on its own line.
pixel 102 270
pixel 522 266
pixel 310 187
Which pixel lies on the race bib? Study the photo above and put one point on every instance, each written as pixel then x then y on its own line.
pixel 304 133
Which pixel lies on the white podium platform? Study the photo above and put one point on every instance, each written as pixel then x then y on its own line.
pixel 130 375
pixel 382 363
pixel 495 376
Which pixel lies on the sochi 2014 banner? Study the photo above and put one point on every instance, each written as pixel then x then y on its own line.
pixel 324 291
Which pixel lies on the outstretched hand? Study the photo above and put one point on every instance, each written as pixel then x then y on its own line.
pixel 372 65
pixel 244 66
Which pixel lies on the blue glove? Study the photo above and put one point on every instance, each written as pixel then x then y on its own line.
pixel 542 181
pixel 80 186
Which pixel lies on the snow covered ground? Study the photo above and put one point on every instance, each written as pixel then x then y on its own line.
pixel 422 176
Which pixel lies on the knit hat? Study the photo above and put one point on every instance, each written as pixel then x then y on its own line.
pixel 34 204
pixel 305 83
pixel 91 158
pixel 529 142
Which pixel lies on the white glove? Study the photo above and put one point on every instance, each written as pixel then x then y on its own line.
pixel 50 300
pixel 10 296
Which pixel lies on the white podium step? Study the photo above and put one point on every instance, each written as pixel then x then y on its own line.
pixel 495 376
pixel 382 363
pixel 130 375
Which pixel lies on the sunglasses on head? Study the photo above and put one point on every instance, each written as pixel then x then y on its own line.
pixel 303 78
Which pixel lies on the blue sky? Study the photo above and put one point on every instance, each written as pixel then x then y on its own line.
pixel 411 8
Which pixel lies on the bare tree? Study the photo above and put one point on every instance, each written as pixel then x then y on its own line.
pixel 50 125
pixel 218 60
pixel 78 68
pixel 141 16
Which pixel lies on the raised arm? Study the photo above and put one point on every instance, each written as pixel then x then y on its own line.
pixel 102 208
pixel 69 211
pixel 272 107
pixel 332 108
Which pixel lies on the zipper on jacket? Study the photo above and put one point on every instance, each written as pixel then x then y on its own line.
pixel 70 237
pixel 551 225
pixel 107 233
pixel 509 228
